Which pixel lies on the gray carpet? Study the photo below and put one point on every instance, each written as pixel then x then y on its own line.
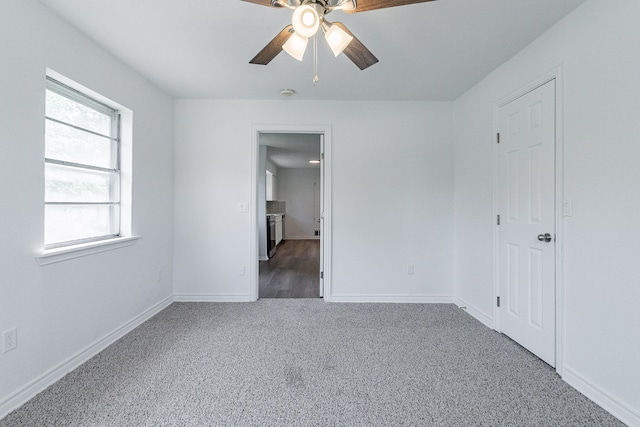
pixel 306 362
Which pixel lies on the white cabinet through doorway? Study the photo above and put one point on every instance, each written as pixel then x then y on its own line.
pixel 272 187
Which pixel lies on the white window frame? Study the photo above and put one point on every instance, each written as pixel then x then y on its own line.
pixel 127 237
pixel 113 171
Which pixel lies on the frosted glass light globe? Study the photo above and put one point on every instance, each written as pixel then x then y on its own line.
pixel 337 38
pixel 296 46
pixel 306 21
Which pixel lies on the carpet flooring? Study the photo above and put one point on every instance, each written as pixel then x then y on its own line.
pixel 304 362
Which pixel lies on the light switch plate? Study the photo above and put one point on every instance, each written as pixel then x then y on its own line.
pixel 567 208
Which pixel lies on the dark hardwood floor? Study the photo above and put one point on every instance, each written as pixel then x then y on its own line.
pixel 294 271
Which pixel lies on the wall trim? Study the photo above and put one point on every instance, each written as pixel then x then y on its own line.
pixel 402 299
pixel 624 412
pixel 51 376
pixel 51 256
pixel 474 312
pixel 211 298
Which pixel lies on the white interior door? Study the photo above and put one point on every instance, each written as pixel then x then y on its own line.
pixel 526 207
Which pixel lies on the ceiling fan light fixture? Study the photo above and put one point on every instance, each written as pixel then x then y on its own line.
pixel 296 46
pixel 336 37
pixel 306 20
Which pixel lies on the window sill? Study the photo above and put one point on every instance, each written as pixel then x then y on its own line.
pixel 51 256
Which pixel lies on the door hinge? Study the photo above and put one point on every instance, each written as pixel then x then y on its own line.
pixel 498 220
pixel 498 138
pixel 498 301
pixel 322 274
pixel 322 156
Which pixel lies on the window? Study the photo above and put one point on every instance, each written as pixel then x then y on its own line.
pixel 82 168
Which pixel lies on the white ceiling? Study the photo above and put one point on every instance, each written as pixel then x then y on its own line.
pixel 201 48
pixel 292 150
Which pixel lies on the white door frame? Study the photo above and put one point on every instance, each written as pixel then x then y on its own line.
pixel 557 75
pixel 321 220
pixel 254 265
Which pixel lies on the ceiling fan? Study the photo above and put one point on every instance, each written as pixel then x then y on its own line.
pixel 309 16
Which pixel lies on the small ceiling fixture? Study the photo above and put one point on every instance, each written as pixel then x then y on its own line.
pixel 314 162
pixel 287 92
pixel 309 16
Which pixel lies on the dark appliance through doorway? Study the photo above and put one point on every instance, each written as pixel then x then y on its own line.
pixel 271 236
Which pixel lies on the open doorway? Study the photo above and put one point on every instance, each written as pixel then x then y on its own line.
pixel 291 215
pixel 292 272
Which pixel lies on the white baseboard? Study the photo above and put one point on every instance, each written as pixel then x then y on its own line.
pixel 40 383
pixel 475 313
pixel 418 299
pixel 211 298
pixel 614 406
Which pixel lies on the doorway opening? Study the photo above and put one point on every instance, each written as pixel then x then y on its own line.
pixel 291 216
pixel 293 272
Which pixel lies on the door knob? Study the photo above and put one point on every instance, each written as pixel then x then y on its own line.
pixel 546 237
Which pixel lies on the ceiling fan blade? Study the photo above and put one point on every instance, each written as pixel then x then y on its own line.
pixel 273 48
pixel 364 5
pixel 291 4
pixel 260 2
pixel 356 51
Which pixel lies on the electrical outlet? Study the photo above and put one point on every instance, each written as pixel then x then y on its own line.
pixel 410 269
pixel 241 270
pixel 159 275
pixel 10 340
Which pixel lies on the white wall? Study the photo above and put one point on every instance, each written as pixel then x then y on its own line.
pixel 271 167
pixel 597 46
pixel 296 187
pixel 61 309
pixel 392 195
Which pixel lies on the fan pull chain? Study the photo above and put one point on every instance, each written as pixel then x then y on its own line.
pixel 315 60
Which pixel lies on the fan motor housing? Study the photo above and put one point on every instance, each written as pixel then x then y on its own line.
pixel 327 5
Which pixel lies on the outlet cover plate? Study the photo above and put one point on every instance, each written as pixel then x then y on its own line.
pixel 9 340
